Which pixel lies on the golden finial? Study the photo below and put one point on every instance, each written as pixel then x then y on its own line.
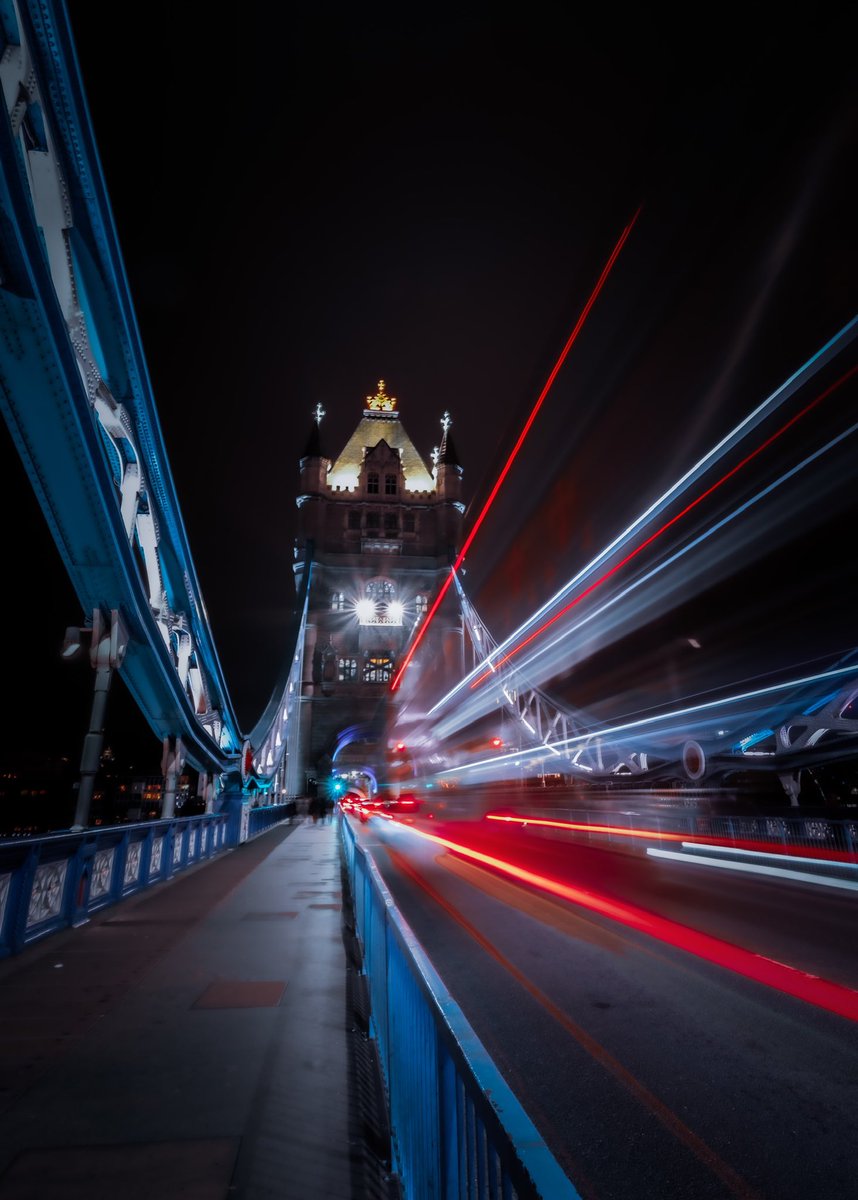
pixel 381 402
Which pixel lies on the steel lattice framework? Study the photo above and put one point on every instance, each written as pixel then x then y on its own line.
pixel 804 729
pixel 77 398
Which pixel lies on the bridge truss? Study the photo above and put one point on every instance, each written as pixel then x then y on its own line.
pixel 780 729
pixel 77 398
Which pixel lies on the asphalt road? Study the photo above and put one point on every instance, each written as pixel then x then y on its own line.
pixel 652 1069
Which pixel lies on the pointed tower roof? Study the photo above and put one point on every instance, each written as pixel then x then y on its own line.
pixel 380 421
pixel 447 451
pixel 313 449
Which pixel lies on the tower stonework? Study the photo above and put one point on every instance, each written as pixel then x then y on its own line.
pixel 379 530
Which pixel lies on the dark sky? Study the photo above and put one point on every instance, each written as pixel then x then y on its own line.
pixel 429 197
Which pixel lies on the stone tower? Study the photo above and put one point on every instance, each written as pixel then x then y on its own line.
pixel 378 529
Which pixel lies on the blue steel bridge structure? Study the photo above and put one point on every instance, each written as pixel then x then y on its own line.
pixel 78 400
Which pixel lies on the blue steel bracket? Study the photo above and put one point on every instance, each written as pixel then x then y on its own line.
pixel 74 388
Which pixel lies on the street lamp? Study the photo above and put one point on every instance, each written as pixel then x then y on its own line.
pixel 108 643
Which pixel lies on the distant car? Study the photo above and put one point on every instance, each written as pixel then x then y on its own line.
pixel 406 805
pixel 365 808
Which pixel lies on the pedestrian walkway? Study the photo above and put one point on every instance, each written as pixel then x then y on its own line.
pixel 204 1040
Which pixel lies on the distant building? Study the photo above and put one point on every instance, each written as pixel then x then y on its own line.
pixel 381 527
pixel 143 797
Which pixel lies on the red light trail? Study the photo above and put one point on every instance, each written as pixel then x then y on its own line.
pixel 579 324
pixel 669 1119
pixel 667 525
pixel 823 993
pixel 785 852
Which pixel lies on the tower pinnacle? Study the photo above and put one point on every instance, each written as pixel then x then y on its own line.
pixel 447 451
pixel 381 402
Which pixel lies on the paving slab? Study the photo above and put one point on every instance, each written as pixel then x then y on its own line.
pixel 196 1041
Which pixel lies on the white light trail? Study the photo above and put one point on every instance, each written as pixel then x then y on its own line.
pixel 770 405
pixel 793 858
pixel 540 664
pixel 754 869
pixel 540 652
pixel 675 714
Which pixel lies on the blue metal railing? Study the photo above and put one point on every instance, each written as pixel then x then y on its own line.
pixel 459 1133
pixel 819 833
pixel 57 881
pixel 263 817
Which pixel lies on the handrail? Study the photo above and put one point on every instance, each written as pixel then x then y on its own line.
pixel 458 1129
pixel 59 880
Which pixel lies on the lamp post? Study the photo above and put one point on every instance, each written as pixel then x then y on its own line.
pixel 108 644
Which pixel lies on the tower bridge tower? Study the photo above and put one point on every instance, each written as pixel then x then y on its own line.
pixel 381 528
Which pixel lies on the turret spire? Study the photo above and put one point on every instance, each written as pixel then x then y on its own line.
pixel 313 449
pixel 447 452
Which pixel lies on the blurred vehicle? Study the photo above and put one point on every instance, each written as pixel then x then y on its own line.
pixel 364 808
pixel 406 806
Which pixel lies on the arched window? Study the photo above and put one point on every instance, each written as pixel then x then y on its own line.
pixel 329 659
pixel 379 605
pixel 324 664
pixel 372 483
pixel 378 668
pixel 390 485
pixel 421 604
pixel 347 669
pixel 338 601
pixel 381 591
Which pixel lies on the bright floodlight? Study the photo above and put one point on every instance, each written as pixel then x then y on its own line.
pixel 365 611
pixel 395 611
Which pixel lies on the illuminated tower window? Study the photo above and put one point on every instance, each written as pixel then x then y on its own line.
pixel 347 669
pixel 338 602
pixel 390 485
pixel 378 669
pixel 421 604
pixel 372 483
pixel 381 591
pixel 379 606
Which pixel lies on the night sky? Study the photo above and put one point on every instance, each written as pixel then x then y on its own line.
pixel 429 198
